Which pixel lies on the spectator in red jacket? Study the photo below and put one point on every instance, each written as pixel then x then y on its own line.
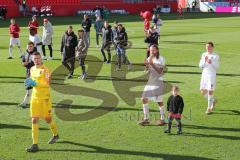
pixel 14 30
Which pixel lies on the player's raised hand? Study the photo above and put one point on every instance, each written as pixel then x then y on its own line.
pixel 146 62
pixel 209 61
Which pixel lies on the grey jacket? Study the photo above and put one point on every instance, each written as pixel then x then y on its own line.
pixel 107 36
pixel 82 47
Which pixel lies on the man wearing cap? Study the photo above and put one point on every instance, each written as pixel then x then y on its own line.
pixel 47 38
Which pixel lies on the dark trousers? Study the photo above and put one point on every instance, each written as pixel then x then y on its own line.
pixel 121 56
pixel 106 47
pixel 69 62
pixel 50 49
pixel 81 59
pixel 179 123
pixel 97 37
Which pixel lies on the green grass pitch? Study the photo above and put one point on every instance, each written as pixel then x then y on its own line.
pixel 116 135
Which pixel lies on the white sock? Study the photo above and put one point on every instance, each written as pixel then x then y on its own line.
pixel 146 111
pixel 210 101
pixel 161 110
pixel 10 51
pixel 27 96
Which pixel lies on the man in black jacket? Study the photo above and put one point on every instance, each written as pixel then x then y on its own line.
pixel 121 42
pixel 175 107
pixel 107 36
pixel 151 38
pixel 69 43
pixel 86 25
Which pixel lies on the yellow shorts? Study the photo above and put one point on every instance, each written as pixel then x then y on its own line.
pixel 41 108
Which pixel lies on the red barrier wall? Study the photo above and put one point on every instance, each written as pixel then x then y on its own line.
pixel 67 9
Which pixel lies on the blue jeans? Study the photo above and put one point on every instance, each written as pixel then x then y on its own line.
pixel 121 55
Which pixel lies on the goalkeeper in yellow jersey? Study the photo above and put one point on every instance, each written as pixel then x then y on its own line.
pixel 40 105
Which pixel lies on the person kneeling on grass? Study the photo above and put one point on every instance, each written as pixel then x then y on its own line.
pixel 40 106
pixel 175 107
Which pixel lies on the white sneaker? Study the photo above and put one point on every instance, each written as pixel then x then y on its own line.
pixel 44 58
pixel 117 69
pixel 97 46
pixel 50 58
pixel 129 66
pixel 23 105
pixel 208 111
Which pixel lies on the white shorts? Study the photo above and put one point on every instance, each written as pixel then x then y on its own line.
pixel 154 92
pixel 36 39
pixel 14 41
pixel 208 82
pixel 155 99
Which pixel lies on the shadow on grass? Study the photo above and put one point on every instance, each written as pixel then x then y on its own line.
pixel 16 126
pixel 122 79
pixel 212 128
pixel 14 77
pixel 102 150
pixel 185 42
pixel 199 73
pixel 8 103
pixel 227 112
pixel 211 136
pixel 73 106
pixel 12 82
pixel 181 65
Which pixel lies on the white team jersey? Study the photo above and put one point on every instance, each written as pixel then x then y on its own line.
pixel 209 68
pixel 160 62
pixel 36 39
pixel 154 88
pixel 208 79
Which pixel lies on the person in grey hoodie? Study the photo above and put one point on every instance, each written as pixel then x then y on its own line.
pixel 82 49
pixel 98 25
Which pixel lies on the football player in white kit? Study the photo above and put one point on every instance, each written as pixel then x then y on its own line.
pixel 209 64
pixel 33 37
pixel 155 86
